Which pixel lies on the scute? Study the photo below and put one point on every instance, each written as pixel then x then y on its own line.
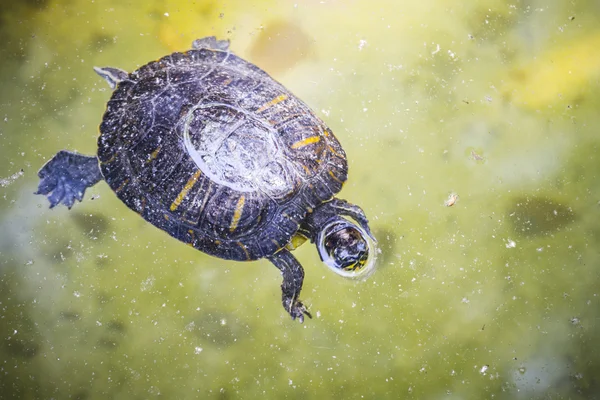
pixel 209 148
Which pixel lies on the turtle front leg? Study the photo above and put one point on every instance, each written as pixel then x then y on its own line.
pixel 293 276
pixel 66 176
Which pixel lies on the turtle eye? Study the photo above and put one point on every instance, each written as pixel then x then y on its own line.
pixel 345 250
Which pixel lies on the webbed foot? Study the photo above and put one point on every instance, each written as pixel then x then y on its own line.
pixel 296 310
pixel 66 176
pixel 293 277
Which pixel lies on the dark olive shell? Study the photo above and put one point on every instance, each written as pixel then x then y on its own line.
pixel 209 148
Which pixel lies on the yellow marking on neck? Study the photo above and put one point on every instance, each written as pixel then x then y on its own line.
pixel 271 103
pixel 237 214
pixel 153 155
pixel 305 142
pixel 188 186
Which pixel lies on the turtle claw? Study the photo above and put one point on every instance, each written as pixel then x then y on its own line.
pixel 65 177
pixel 298 311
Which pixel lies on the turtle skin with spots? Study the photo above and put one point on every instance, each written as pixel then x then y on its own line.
pixel 209 148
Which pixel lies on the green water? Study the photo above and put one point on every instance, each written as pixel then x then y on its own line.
pixel 494 297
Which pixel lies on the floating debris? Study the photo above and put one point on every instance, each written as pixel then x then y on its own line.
pixel 451 200
pixel 476 157
pixel 4 182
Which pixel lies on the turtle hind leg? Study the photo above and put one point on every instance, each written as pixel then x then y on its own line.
pixel 293 276
pixel 66 176
pixel 210 42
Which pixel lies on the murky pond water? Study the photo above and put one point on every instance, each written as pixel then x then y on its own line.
pixel 472 140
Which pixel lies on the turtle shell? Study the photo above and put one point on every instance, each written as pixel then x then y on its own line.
pixel 209 148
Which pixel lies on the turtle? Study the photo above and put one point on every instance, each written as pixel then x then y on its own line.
pixel 212 150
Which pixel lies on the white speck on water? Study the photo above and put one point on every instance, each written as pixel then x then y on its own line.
pixel 484 369
pixel 76 294
pixel 198 350
pixel 166 14
pixel 147 284
pixel 437 49
pixel 223 322
pixel 190 327
pixel 361 44
pixel 510 244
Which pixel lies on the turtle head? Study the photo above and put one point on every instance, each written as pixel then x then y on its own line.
pixel 344 247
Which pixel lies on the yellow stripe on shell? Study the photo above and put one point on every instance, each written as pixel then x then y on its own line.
pixel 245 250
pixel 193 237
pixel 271 103
pixel 125 182
pixel 237 214
pixel 153 155
pixel 111 159
pixel 188 186
pixel 335 177
pixel 305 142
pixel 335 152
